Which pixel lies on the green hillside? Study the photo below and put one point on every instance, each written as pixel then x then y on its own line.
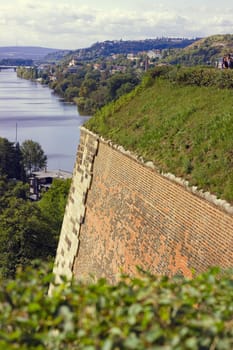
pixel 182 120
pixel 204 51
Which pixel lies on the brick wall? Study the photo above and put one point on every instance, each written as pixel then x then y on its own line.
pixel 135 216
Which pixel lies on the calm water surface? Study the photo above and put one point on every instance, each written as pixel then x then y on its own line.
pixel 40 116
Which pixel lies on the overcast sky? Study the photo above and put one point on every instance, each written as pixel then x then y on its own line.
pixel 73 24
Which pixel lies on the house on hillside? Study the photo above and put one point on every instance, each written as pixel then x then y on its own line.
pixel 118 69
pixel 152 54
pixel 132 57
pixel 73 62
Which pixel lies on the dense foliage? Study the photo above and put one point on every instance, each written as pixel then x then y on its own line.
pixel 11 160
pixel 52 206
pixel 33 156
pixel 27 230
pixel 18 160
pixel 88 87
pixel 110 47
pixel 24 235
pixel 182 120
pixel 145 312
pixel 196 76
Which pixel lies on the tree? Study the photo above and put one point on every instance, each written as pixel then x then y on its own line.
pixel 29 230
pixel 10 160
pixel 9 189
pixel 19 168
pixel 124 89
pixel 71 92
pixel 88 85
pixel 24 236
pixel 118 79
pixel 33 155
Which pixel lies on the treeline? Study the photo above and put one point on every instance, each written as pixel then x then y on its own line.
pixel 86 86
pixel 18 161
pixel 95 76
pixel 196 76
pixel 185 57
pixel 27 230
pixel 91 89
pixel 109 47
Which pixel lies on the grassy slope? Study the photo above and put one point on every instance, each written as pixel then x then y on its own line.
pixel 205 50
pixel 186 130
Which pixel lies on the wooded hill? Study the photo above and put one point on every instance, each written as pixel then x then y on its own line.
pixel 205 51
pixel 182 120
pixel 110 47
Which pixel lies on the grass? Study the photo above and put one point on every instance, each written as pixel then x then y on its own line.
pixel 184 129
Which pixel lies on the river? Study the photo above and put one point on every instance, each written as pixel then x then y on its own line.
pixel 29 110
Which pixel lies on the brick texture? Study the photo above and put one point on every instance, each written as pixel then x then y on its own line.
pixel 134 216
pixel 122 214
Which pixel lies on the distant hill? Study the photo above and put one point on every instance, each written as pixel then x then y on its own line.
pixel 99 49
pixel 205 51
pixel 25 52
pixel 107 48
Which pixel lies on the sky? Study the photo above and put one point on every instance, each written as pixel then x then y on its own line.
pixel 74 24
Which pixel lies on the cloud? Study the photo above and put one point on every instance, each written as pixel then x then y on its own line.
pixel 68 24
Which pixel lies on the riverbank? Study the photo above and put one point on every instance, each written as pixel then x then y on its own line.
pixel 40 115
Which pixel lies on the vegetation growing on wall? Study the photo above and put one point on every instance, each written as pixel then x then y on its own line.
pixel 145 312
pixel 182 120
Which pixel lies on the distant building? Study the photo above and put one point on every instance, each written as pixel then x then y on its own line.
pixel 132 57
pixel 118 69
pixel 115 56
pixel 40 181
pixel 97 66
pixel 154 54
pixel 73 63
pixel 43 67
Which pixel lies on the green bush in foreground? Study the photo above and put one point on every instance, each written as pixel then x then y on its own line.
pixel 138 313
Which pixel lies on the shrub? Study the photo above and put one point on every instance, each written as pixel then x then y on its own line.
pixel 146 312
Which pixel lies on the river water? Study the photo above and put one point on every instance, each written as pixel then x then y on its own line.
pixel 29 110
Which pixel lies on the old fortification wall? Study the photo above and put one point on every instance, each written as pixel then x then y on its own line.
pixel 122 213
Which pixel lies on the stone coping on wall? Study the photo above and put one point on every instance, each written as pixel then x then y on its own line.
pixel 220 203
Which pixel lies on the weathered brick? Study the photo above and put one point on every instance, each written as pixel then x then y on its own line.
pixel 135 216
pixel 125 214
